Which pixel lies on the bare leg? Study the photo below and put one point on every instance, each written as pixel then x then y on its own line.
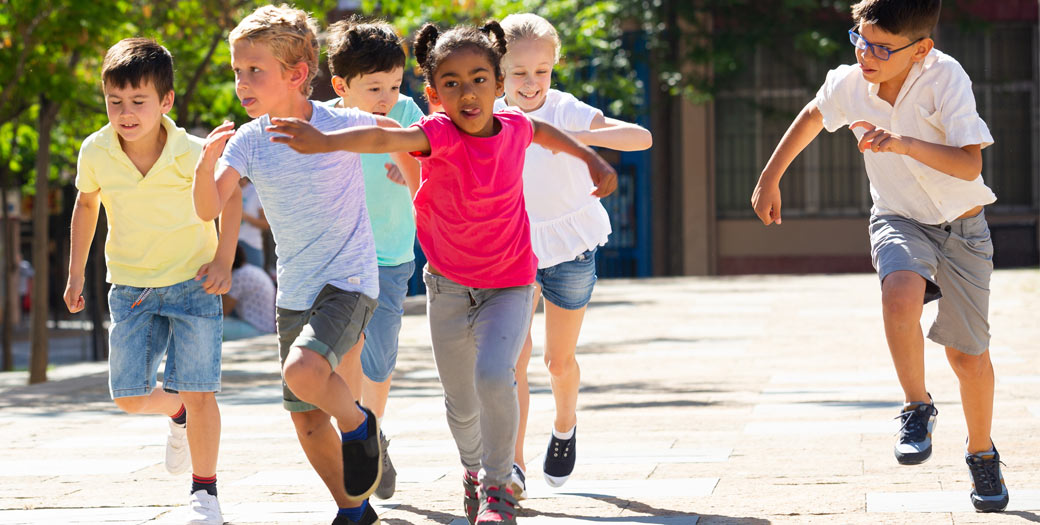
pixel 203 431
pixel 309 377
pixel 562 327
pixel 374 395
pixel 902 301
pixel 975 373
pixel 158 402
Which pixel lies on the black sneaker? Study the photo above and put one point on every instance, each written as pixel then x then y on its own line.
pixel 915 435
pixel 368 517
pixel 363 461
pixel 387 483
pixel 988 491
pixel 471 499
pixel 559 459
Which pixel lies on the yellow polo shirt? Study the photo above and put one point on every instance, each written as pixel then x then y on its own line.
pixel 155 238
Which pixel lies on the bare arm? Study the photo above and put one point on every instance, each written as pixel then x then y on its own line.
pixel 211 192
pixel 615 134
pixel 217 273
pixel 549 137
pixel 766 197
pixel 260 221
pixel 84 224
pixel 407 164
pixel 385 137
pixel 963 163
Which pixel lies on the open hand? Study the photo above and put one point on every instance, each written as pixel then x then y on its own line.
pixel 394 174
pixel 299 135
pixel 214 146
pixel 217 277
pixel 880 140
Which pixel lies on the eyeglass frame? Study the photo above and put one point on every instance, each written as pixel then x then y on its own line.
pixel 855 37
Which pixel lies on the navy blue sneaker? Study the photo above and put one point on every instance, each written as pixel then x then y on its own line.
pixel 559 459
pixel 988 491
pixel 915 434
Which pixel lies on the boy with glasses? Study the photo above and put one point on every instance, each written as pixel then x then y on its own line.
pixel 913 112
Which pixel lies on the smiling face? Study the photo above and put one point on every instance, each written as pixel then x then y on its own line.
pixel 261 82
pixel 136 112
pixel 896 68
pixel 528 69
pixel 465 85
pixel 375 93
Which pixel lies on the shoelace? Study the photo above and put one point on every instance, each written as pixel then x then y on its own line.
pixel 914 428
pixel 986 474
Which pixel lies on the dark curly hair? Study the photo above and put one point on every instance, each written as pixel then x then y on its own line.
pixel 358 47
pixel 431 47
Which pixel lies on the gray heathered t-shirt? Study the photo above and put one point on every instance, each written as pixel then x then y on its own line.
pixel 316 207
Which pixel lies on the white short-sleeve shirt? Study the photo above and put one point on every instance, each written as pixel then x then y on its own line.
pixel 935 104
pixel 566 220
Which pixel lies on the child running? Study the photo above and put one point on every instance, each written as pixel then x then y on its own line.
pixel 367 64
pixel 328 281
pixel 473 228
pixel 140 167
pixel 912 110
pixel 568 224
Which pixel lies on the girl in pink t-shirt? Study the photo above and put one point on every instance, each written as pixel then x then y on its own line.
pixel 473 227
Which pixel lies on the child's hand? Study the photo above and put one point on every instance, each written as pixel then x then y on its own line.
pixel 880 140
pixel 217 277
pixel 603 176
pixel 300 135
pixel 215 142
pixel 394 174
pixel 73 294
pixel 766 202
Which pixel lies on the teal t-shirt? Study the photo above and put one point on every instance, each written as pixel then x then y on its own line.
pixel 389 204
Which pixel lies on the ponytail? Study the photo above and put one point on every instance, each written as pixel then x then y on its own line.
pixel 424 42
pixel 496 34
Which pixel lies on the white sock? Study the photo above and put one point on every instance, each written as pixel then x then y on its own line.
pixel 564 435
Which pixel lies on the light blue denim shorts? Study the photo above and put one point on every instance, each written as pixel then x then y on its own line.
pixel 379 357
pixel 569 284
pixel 181 321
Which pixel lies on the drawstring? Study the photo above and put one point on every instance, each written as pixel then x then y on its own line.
pixel 144 295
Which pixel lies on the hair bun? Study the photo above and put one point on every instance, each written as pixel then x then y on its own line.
pixel 424 42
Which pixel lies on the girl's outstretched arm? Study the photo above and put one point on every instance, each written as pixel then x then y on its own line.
pixel 549 137
pixel 385 137
pixel 615 134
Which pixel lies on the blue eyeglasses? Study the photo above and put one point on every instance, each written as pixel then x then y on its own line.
pixel 881 52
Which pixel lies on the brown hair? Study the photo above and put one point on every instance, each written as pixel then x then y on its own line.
pixel 290 34
pixel 136 60
pixel 909 18
pixel 360 48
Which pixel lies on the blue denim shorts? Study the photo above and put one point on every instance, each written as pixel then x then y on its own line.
pixel 181 321
pixel 379 357
pixel 569 284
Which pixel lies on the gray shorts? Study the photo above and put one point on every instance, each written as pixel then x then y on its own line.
pixel 331 327
pixel 956 260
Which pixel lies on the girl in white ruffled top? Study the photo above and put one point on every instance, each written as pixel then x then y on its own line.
pixel 568 224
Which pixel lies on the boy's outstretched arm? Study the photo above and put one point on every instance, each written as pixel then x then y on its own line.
pixel 549 137
pixel 615 134
pixel 963 163
pixel 209 191
pixel 766 197
pixel 386 136
pixel 217 273
pixel 84 223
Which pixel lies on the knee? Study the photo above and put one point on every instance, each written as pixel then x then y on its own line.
pixel 131 405
pixel 495 378
pixel 561 365
pixel 901 301
pixel 198 400
pixel 303 369
pixel 970 366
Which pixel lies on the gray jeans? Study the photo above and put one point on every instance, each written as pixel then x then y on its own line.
pixel 477 337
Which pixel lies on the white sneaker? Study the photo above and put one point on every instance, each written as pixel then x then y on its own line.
pixel 518 482
pixel 178 456
pixel 204 509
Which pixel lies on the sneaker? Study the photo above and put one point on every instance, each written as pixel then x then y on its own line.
pixel 368 517
pixel 988 491
pixel 204 509
pixel 559 459
pixel 178 455
pixel 387 483
pixel 518 483
pixel 471 500
pixel 915 434
pixel 363 461
pixel 497 508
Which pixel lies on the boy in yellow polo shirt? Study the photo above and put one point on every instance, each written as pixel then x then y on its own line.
pixel 166 266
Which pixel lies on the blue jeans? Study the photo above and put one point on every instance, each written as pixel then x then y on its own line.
pixel 379 356
pixel 181 321
pixel 569 284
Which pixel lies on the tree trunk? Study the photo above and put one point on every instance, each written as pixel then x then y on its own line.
pixel 10 285
pixel 96 301
pixel 41 209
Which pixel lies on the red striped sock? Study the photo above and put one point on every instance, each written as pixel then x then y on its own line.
pixel 180 417
pixel 203 483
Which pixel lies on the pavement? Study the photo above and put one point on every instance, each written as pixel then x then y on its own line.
pixel 743 400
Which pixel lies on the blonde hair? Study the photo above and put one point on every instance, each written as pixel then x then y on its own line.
pixel 531 26
pixel 291 35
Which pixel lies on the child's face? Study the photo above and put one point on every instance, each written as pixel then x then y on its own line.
pixel 465 85
pixel 136 112
pixel 879 71
pixel 528 68
pixel 375 93
pixel 261 83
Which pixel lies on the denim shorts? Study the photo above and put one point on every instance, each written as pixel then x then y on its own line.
pixel 331 327
pixel 181 321
pixel 569 284
pixel 379 357
pixel 956 261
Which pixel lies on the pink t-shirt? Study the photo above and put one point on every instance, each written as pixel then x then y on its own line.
pixel 470 215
